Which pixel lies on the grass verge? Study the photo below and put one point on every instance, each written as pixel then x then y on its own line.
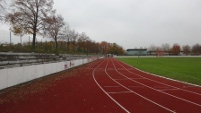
pixel 186 69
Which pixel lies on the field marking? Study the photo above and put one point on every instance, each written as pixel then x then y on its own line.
pixel 164 88
pixel 137 78
pixel 120 69
pixel 168 89
pixel 111 86
pixel 136 86
pixel 160 91
pixel 120 79
pixel 138 93
pixel 158 87
pixel 107 93
pixel 164 78
pixel 130 78
pixel 120 92
pixel 189 86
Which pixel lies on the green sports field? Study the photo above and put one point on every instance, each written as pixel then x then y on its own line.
pixel 180 68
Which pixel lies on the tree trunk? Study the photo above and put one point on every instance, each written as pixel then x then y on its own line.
pixel 68 43
pixel 34 41
pixel 56 45
pixel 74 47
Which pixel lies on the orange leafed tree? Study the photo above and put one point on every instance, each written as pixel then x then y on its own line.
pixel 176 49
pixel 28 16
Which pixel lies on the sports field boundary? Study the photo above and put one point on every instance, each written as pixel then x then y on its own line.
pixel 161 76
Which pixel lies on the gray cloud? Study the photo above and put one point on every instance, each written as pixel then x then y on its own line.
pixel 135 23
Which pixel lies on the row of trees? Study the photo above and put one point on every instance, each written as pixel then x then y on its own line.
pixel 37 17
pixel 72 47
pixel 176 49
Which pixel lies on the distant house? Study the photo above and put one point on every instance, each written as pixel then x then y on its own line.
pixel 136 52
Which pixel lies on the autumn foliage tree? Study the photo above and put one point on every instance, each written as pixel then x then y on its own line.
pixel 159 51
pixel 176 49
pixel 37 17
pixel 28 16
pixel 104 47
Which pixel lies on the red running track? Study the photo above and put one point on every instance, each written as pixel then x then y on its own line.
pixel 110 86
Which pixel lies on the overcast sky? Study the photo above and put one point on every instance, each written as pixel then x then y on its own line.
pixel 135 23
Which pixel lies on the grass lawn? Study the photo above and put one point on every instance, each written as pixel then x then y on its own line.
pixel 180 68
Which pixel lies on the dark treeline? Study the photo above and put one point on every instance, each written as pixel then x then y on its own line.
pixel 64 47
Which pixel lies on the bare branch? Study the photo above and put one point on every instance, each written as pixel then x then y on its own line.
pixel 28 16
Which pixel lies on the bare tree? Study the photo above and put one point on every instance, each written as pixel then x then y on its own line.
pixel 152 48
pixel 165 47
pixel 82 41
pixel 88 44
pixel 74 37
pixel 28 16
pixel 186 49
pixel 2 9
pixel 53 26
pixel 196 49
pixel 65 36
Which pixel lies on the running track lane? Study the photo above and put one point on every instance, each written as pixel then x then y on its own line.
pixel 77 93
pixel 106 86
pixel 137 91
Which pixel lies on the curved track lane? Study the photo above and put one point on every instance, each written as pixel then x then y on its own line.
pixel 104 86
pixel 137 91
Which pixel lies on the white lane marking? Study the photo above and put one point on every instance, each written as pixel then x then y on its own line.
pixel 120 79
pixel 162 77
pixel 167 89
pixel 111 86
pixel 189 86
pixel 139 94
pixel 130 78
pixel 136 86
pixel 120 92
pixel 137 78
pixel 107 93
pixel 159 91
pixel 160 87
